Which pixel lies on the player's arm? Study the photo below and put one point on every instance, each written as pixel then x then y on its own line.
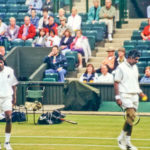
pixel 117 96
pixel 14 94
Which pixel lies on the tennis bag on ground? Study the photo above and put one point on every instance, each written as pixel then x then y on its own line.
pixel 51 118
pixel 16 117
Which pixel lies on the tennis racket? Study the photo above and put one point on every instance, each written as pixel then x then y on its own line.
pixel 136 120
pixel 69 121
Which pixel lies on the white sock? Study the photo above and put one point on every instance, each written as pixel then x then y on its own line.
pixel 122 134
pixel 109 35
pixel 7 137
pixel 128 138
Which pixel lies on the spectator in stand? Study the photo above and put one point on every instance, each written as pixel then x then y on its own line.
pixel 34 19
pixel 146 32
pixel 52 25
pixel 89 75
pixel 74 21
pixel 121 57
pixel 3 28
pixel 109 61
pixel 93 14
pixel 27 31
pixel 35 4
pixel 57 63
pixel 43 22
pixel 105 77
pixel 61 14
pixel 148 11
pixel 63 26
pixel 2 50
pixel 40 40
pixel 107 14
pixel 146 78
pixel 81 45
pixel 66 42
pixel 12 30
pixel 48 4
pixel 52 39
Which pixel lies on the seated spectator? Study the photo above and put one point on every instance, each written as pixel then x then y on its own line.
pixel 43 22
pixel 81 45
pixel 3 28
pixel 146 78
pixel 57 63
pixel 35 4
pixel 89 75
pixel 107 13
pixel 61 14
pixel 52 25
pixel 52 39
pixel 27 31
pixel 48 4
pixel 12 30
pixel 2 50
pixel 63 26
pixel 109 61
pixel 74 21
pixel 105 77
pixel 93 14
pixel 34 19
pixel 121 57
pixel 148 11
pixel 66 42
pixel 40 40
pixel 146 32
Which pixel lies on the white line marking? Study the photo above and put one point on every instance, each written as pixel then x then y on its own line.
pixel 65 137
pixel 81 145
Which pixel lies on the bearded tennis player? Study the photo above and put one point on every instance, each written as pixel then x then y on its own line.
pixel 8 84
pixel 127 92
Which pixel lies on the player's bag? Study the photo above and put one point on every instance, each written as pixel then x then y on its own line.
pixel 16 117
pixel 51 118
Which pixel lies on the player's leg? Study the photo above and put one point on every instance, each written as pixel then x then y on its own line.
pixel 8 115
pixel 128 127
pixel 7 108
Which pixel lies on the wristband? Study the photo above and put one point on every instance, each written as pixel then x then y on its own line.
pixel 117 97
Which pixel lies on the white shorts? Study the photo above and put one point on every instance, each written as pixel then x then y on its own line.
pixel 6 104
pixel 129 100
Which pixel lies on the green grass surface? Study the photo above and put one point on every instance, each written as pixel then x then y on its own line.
pixel 91 133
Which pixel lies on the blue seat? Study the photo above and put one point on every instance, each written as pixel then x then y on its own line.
pixel 2 1
pixel 92 41
pixel 28 43
pixel 136 35
pixel 21 1
pixel 143 24
pixel 51 76
pixel 11 2
pixel 74 54
pixel 71 63
pixel 21 16
pixel 130 42
pixel 23 8
pixel 146 53
pixel 142 64
pixel 129 47
pixel 17 43
pixel 13 8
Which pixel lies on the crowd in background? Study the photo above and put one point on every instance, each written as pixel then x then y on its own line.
pixel 65 35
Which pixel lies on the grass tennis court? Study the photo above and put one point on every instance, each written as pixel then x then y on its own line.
pixel 91 133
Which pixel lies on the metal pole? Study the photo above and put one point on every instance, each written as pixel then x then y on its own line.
pixel 87 6
pixel 71 5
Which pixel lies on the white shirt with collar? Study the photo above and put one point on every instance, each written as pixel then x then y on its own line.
pixel 7 81
pixel 74 22
pixel 108 78
pixel 127 76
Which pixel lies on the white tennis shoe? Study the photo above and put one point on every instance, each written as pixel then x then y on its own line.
pixel 7 146
pixel 122 143
pixel 0 147
pixel 129 146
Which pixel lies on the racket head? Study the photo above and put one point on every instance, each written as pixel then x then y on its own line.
pixel 137 117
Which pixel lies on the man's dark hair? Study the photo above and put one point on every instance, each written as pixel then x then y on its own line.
pixel 52 30
pixel 55 46
pixel 134 53
pixel 45 10
pixel 33 9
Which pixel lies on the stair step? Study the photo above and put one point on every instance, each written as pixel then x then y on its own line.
pixel 122 35
pixel 113 45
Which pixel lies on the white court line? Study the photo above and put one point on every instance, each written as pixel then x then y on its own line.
pixel 77 145
pixel 65 137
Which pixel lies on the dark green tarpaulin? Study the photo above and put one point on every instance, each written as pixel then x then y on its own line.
pixel 81 97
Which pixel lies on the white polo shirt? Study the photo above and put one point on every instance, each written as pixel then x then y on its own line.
pixel 7 80
pixel 127 76
pixel 108 78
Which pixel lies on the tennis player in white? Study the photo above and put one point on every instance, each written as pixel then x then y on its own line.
pixel 127 93
pixel 8 84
